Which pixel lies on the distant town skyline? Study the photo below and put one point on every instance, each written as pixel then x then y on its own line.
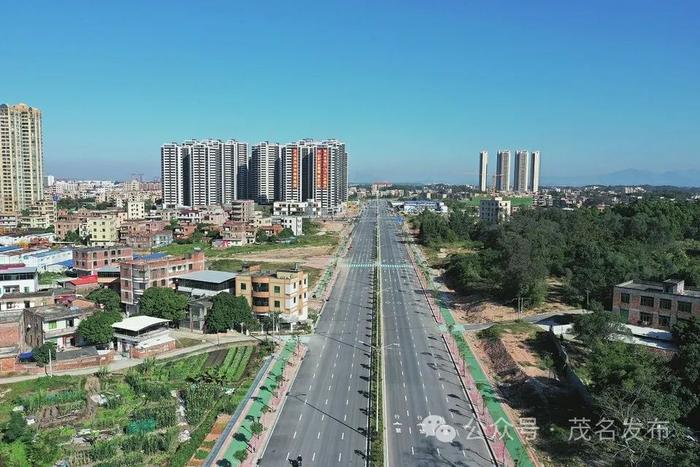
pixel 608 87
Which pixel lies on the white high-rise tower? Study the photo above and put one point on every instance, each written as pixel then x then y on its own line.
pixel 483 171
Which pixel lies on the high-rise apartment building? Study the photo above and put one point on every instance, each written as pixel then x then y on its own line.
pixel 198 173
pixel 21 158
pixel 503 171
pixel 325 173
pixel 289 187
pixel 263 168
pixel 483 171
pixel 172 175
pixel 534 181
pixel 520 174
pixel 201 173
pixel 235 173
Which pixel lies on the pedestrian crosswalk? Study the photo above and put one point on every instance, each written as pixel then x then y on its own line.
pixel 371 265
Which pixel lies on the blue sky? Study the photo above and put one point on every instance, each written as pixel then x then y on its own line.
pixel 415 88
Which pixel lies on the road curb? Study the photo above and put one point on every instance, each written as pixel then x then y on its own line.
pixel 293 378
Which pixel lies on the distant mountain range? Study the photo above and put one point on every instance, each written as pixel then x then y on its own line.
pixel 680 178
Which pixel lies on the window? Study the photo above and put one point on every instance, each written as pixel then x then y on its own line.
pixel 665 304
pixel 277 303
pixel 665 321
pixel 647 301
pixel 258 301
pixel 243 287
pixel 277 289
pixel 645 318
pixel 685 307
pixel 53 325
pixel 624 297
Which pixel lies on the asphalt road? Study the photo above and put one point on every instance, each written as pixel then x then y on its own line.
pixel 421 381
pixel 324 418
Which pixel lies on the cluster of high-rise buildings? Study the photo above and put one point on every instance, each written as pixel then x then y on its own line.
pixel 21 158
pixel 523 177
pixel 207 172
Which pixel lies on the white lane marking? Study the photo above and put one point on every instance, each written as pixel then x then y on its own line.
pixel 318 436
pixel 342 436
pixel 412 452
pixel 300 415
pixel 295 435
pixel 340 456
pixel 329 387
pixel 313 458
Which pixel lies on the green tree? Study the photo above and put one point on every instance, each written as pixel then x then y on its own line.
pixel 629 382
pixel 286 233
pixel 228 311
pixel 73 236
pixel 241 455
pixel 256 428
pixel 261 237
pixel 41 353
pixel 106 297
pixel 592 328
pixel 686 366
pixel 97 329
pixel 163 302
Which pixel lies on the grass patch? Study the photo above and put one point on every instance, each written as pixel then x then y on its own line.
pixel 182 342
pixel 48 278
pixel 516 327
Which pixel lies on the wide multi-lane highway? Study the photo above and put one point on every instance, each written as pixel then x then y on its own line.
pixel 421 382
pixel 324 419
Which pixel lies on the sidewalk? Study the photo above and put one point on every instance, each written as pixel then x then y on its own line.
pixel 500 433
pixel 263 405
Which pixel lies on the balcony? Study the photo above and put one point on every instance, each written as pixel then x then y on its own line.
pixel 52 333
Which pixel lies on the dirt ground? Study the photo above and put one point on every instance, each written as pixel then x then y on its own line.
pixel 216 430
pixel 310 256
pixel 476 308
pixel 523 356
pixel 313 256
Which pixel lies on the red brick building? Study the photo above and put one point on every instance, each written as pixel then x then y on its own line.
pixel 656 304
pixel 155 270
pixel 87 261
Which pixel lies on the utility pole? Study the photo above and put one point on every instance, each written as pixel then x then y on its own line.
pixel 50 366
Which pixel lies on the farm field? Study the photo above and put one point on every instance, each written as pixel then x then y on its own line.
pixel 157 413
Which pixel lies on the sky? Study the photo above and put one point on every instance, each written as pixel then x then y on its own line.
pixel 415 88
